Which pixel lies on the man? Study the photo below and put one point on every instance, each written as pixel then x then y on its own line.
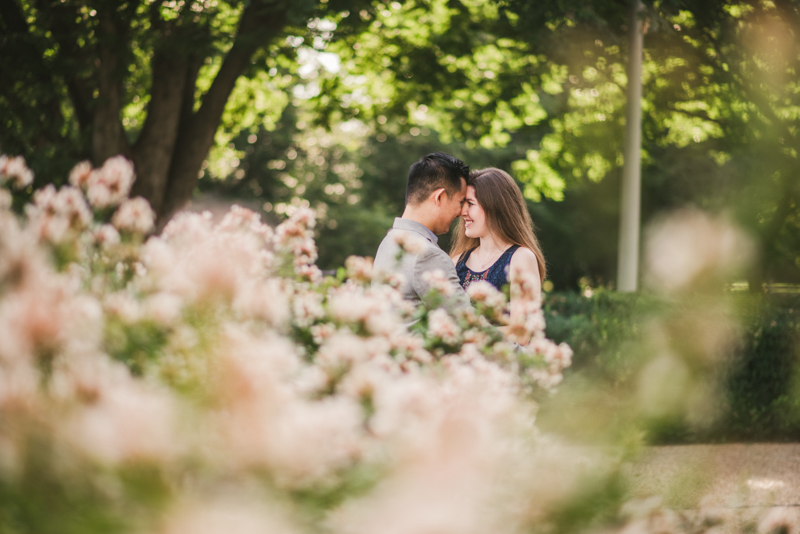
pixel 435 193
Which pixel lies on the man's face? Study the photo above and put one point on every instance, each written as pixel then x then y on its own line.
pixel 450 208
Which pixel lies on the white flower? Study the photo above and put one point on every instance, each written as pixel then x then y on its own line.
pixel 525 286
pixel 15 171
pixel 106 236
pixel 438 282
pixel 321 332
pixel 484 293
pixel 134 215
pixel 690 247
pixel 165 308
pixel 312 273
pixel 243 219
pixel 305 217
pixel 342 349
pixel 124 306
pixel 409 242
pixel 110 184
pixel 5 199
pixel 307 308
pixel 358 268
pixel 782 520
pixel 125 422
pixel 47 316
pixel 442 326
pixel 54 214
pixel 235 514
pixel 79 175
pixel 264 300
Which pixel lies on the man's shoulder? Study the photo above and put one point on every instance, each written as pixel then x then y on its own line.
pixel 393 252
pixel 411 242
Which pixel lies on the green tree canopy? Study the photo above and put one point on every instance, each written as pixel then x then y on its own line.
pixel 720 98
pixel 534 87
pixel 150 80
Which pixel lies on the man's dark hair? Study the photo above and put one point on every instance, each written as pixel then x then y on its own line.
pixel 433 172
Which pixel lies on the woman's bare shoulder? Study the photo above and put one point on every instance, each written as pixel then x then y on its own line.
pixel 525 259
pixel 523 255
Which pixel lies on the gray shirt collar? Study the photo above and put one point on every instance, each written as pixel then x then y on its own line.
pixel 413 226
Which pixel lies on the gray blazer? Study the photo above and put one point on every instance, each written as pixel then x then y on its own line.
pixel 413 266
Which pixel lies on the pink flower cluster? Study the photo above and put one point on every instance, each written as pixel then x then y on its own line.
pixel 134 216
pixel 55 214
pixel 15 172
pixel 107 186
pixel 296 237
pixel 214 359
pixel 358 268
pixel 61 216
pixel 491 302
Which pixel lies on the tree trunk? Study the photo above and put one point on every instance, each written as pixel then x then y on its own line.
pixel 153 152
pixel 108 135
pixel 196 132
pixel 630 205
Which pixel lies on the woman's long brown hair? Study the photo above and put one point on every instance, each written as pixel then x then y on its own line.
pixel 506 214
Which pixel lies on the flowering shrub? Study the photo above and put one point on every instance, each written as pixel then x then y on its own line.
pixel 217 354
pixel 210 379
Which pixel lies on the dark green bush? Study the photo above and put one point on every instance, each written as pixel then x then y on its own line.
pixel 763 402
pixel 760 398
pixel 597 328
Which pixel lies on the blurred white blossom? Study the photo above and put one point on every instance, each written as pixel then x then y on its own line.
pixel 134 215
pixel 110 184
pixel 690 247
pixel 14 171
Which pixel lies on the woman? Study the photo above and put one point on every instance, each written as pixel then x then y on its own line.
pixel 495 235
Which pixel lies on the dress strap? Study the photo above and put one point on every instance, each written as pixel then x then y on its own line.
pixel 506 256
pixel 504 261
pixel 462 260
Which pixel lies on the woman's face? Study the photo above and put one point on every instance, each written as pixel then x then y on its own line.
pixel 474 216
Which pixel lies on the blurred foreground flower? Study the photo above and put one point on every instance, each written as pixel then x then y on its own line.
pixel 214 357
pixel 15 172
pixel 209 379
pixel 690 249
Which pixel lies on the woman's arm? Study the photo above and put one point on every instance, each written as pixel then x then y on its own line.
pixel 524 264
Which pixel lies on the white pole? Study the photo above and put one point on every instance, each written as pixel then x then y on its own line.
pixel 630 205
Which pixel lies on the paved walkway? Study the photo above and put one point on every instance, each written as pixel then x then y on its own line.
pixel 745 480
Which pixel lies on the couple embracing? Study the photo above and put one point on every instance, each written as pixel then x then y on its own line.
pixel 493 241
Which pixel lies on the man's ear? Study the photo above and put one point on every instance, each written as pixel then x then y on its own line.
pixel 437 195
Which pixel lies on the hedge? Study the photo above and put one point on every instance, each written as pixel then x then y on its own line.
pixel 760 393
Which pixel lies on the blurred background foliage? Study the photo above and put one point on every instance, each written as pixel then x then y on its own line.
pixel 757 371
pixel 334 112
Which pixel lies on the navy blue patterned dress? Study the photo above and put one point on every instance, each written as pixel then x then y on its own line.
pixel 497 274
